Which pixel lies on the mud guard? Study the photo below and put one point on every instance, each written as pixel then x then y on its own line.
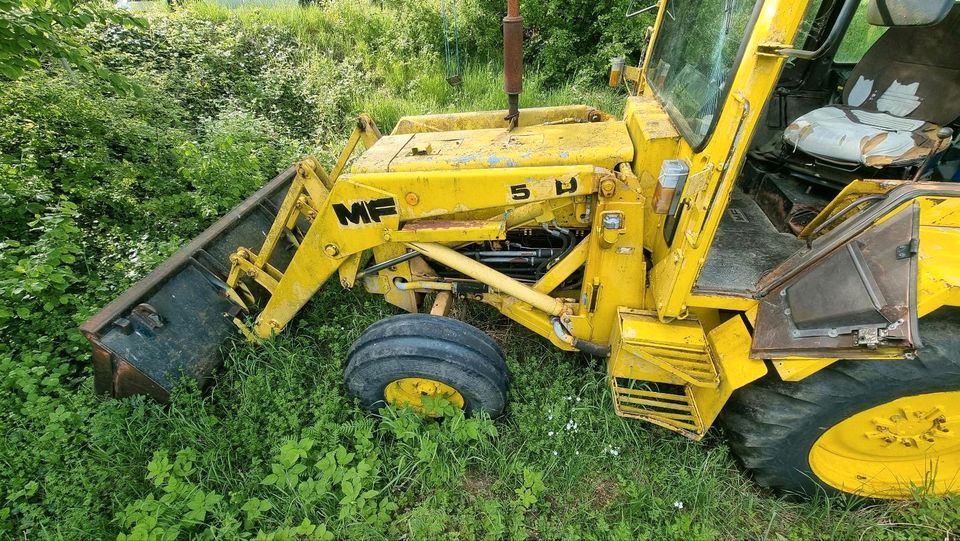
pixel 174 322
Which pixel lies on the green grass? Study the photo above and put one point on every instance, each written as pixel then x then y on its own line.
pixel 860 36
pixel 609 478
pixel 273 448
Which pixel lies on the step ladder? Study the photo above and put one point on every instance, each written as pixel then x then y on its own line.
pixel 657 370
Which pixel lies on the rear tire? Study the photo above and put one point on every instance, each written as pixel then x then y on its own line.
pixel 427 354
pixel 773 425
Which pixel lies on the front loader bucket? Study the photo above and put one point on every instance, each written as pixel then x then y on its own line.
pixel 173 323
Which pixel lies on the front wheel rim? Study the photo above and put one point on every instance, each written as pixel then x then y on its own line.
pixel 888 450
pixel 421 394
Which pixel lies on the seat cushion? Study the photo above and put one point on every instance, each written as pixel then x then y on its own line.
pixel 853 136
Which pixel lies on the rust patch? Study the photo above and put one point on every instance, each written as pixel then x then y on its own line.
pixel 445 224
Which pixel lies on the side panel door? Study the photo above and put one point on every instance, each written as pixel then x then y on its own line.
pixel 857 302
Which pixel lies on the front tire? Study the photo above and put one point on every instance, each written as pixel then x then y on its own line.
pixel 412 358
pixel 871 428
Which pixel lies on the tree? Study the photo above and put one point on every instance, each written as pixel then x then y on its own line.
pixel 32 31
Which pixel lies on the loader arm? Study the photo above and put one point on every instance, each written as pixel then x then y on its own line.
pixel 407 205
pixel 174 322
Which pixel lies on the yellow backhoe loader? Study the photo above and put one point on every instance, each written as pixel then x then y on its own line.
pixel 768 239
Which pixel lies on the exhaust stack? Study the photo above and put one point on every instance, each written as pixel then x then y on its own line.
pixel 513 60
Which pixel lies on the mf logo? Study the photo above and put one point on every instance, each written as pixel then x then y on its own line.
pixel 364 212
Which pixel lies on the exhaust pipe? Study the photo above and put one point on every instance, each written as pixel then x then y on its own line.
pixel 513 60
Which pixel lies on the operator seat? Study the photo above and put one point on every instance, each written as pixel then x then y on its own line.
pixel 903 90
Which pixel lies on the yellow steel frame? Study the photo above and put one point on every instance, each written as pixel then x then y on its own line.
pixel 390 214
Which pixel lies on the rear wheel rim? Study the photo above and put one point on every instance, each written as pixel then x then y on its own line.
pixel 420 394
pixel 887 450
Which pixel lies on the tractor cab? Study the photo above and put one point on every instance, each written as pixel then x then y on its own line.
pixel 873 92
pixel 882 101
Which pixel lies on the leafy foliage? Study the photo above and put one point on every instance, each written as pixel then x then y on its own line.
pixel 34 30
pixel 570 38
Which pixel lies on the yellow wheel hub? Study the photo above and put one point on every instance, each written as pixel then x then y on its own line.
pixel 883 451
pixel 420 394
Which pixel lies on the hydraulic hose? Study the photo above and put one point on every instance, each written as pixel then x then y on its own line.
pixel 590 348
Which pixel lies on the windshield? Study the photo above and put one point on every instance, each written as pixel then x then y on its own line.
pixel 694 59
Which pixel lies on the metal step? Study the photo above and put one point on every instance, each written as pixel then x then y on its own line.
pixel 669 406
pixel 678 375
pixel 675 353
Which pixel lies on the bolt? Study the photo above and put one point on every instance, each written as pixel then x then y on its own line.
pixel 787 312
pixel 251 273
pixel 412 198
pixel 331 250
pixel 386 235
pixel 608 187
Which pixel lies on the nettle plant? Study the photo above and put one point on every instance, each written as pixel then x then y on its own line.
pixel 318 485
pixel 37 276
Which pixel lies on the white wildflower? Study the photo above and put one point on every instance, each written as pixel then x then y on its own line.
pixel 550 433
pixel 678 504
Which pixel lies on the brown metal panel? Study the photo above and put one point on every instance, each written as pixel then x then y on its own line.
pixel 857 302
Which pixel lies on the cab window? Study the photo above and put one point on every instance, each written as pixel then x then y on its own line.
pixel 694 59
pixel 860 36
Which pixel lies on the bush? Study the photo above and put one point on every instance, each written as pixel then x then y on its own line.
pixel 565 39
